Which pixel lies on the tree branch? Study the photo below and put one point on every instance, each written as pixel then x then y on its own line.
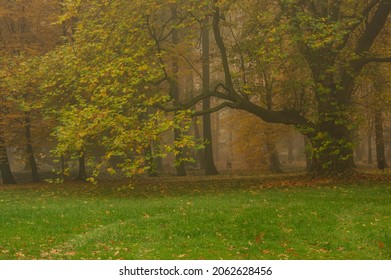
pixel 374 27
pixel 285 116
pixel 216 108
pixel 223 51
pixel 376 59
pixel 364 15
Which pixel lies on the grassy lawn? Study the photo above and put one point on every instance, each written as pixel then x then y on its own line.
pixel 197 218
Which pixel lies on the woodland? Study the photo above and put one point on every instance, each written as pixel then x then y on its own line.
pixel 115 114
pixel 123 88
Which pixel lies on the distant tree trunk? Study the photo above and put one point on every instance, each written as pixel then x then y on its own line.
pixel 308 154
pixel 379 140
pixel 199 153
pixel 153 163
pixel 274 160
pixel 369 143
pixel 64 167
pixel 82 167
pixel 179 163
pixel 209 165
pixel 6 173
pixel 358 148
pixel 29 149
pixel 290 150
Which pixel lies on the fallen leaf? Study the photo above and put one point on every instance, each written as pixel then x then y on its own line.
pixel 259 237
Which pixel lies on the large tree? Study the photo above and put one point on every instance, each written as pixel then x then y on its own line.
pixel 333 39
pixel 101 85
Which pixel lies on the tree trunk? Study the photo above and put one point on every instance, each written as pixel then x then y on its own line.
pixel 332 149
pixel 29 149
pixel 379 140
pixel 82 176
pixel 308 154
pixel 199 153
pixel 357 147
pixel 6 173
pixel 210 168
pixel 64 167
pixel 290 150
pixel 179 163
pixel 274 160
pixel 369 143
pixel 152 161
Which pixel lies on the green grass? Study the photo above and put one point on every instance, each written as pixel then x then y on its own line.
pixel 197 218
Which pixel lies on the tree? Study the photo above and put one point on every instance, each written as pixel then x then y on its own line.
pixel 335 43
pixel 106 79
pixel 208 161
pixel 179 163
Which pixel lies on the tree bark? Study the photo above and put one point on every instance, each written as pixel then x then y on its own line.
pixel 29 149
pixel 209 165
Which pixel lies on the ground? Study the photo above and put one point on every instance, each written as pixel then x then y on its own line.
pixel 232 216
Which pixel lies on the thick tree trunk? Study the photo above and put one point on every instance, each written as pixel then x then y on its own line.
pixel 332 150
pixel 209 165
pixel 6 173
pixel 379 140
pixel 29 149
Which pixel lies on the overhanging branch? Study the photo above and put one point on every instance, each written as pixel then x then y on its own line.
pixel 216 108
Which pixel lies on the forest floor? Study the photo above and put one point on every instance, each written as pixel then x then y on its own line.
pixel 230 216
